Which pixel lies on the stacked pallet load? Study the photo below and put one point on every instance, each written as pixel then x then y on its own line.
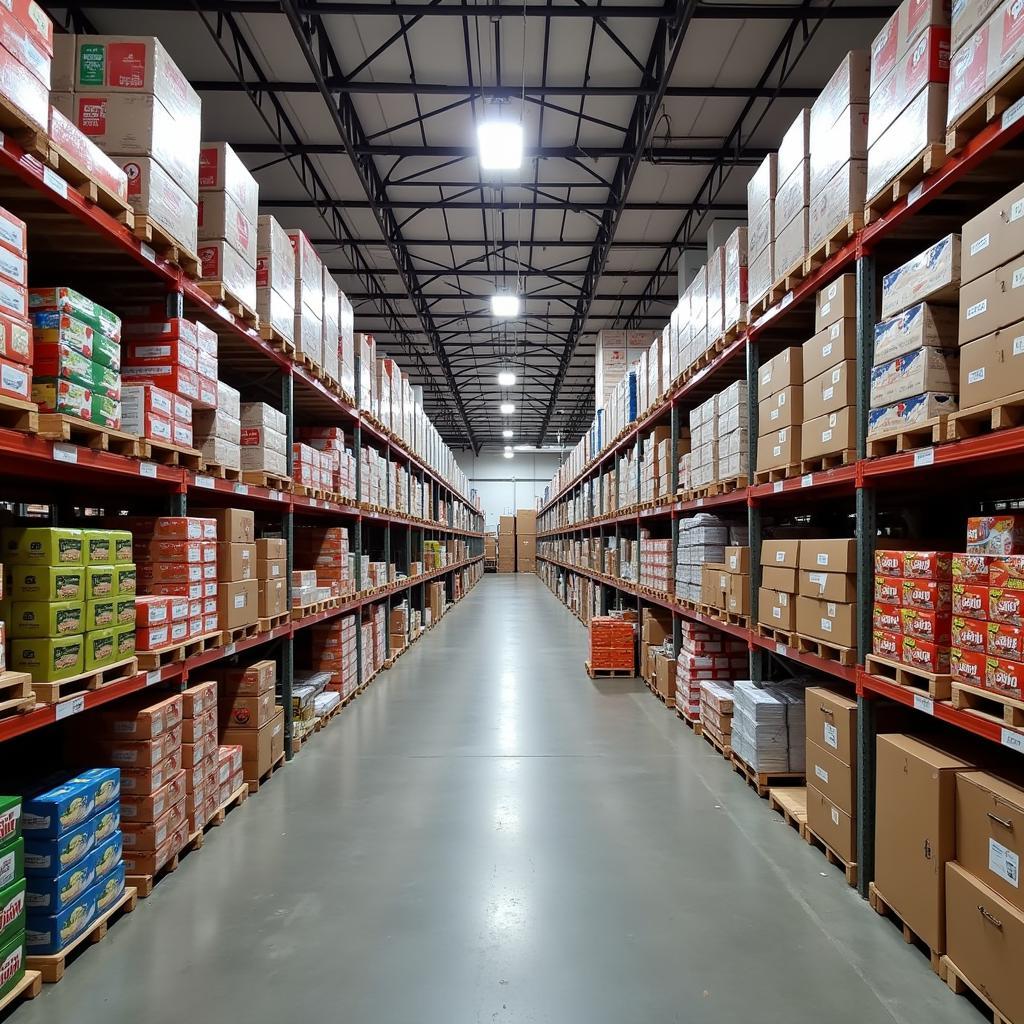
pixel 27 58
pixel 826 612
pixel 199 753
pixel 275 280
pixel 347 363
pixel 733 439
pixel 612 646
pixel 251 726
pixel 779 415
pixel 725 586
pixel 793 168
pixel 217 433
pixel 776 597
pixel 768 727
pixel 716 714
pixel 734 299
pixel 526 541
pixel 657 571
pixel 703 539
pixel 761 262
pixel 655 636
pixel 17 334
pixel 506 544
pixel 264 444
pixel 14 897
pixel 705 655
pixel 237 568
pixel 309 301
pixel 333 650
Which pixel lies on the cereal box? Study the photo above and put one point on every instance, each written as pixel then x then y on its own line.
pixel 995 535
pixel 969 634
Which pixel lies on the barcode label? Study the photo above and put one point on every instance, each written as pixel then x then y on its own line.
pixel 152 678
pixel 1013 113
pixel 1011 739
pixel 147 469
pixel 777 486
pixel 915 193
pixel 925 457
pixel 53 180
pixel 65 453
pixel 781 649
pixel 229 650
pixel 148 251
pixel 1004 863
pixel 205 481
pixel 67 708
pixel 925 704
pixel 241 488
pixel 807 480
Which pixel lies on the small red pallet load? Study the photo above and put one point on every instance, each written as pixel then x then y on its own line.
pixel 612 645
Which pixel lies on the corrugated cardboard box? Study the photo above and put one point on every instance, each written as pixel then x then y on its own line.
pixel 784 409
pixel 845 140
pixel 778 449
pixel 152 192
pixel 839 199
pixel 779 372
pixel 921 123
pixel 828 434
pixel 923 325
pixel 760 272
pixel 993 367
pixel 830 621
pixel 828 586
pixel 990 832
pixel 831 777
pixel 836 301
pixel 933 275
pixel 779 577
pixel 762 186
pixel 994 300
pixel 776 608
pixel 831 391
pixel 914 373
pixel 836 343
pixel 994 237
pixel 908 413
pixel 781 553
pixel 828 555
pixel 794 147
pixel 791 242
pixel 526 521
pixel 831 824
pixel 832 722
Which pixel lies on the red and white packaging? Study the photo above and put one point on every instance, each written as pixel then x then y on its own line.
pixel 1007 572
pixel 220 169
pixel 1005 641
pixel 154 193
pixel 1006 606
pixel 149 353
pixel 23 90
pixel 924 655
pixel 67 137
pixel 888 563
pixel 970 568
pixel 926 625
pixel 151 638
pixel 887 644
pixel 887 617
pixel 183 434
pixel 1004 676
pixel 970 600
pixel 151 610
pixel 968 666
pixel 169 376
pixel 220 218
pixel 15 380
pixel 927 565
pixel 308 273
pixel 969 634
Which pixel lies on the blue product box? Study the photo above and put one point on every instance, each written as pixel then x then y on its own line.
pixel 631 396
pixel 50 933
pixel 107 822
pixel 108 785
pixel 108 855
pixel 55 856
pixel 109 890
pixel 50 814
pixel 45 895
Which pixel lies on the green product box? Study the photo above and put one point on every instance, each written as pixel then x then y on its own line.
pixel 67 300
pixel 47 583
pixel 46 618
pixel 10 819
pixel 123 550
pixel 101 614
pixel 12 861
pixel 124 611
pixel 12 963
pixel 100 649
pixel 63 362
pixel 124 641
pixel 125 580
pixel 52 394
pixel 99 582
pixel 12 910
pixel 59 328
pixel 41 545
pixel 48 659
pixel 97 547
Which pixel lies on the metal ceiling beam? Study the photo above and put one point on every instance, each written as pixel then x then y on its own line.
pixel 460 297
pixel 534 275
pixel 511 205
pixel 318 52
pixel 541 243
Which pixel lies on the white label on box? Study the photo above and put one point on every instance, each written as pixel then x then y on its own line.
pixel 807 480
pixel 241 488
pixel 826 309
pixel 239 600
pixel 820 578
pixel 65 453
pixel 925 457
pixel 1018 345
pixel 205 481
pixel 782 399
pixel 828 393
pixel 826 625
pixel 821 773
pixel 1018 278
pixel 780 556
pixel 777 486
pixel 835 816
pixel 67 708
pixel 152 678
pixel 781 649
pixel 1016 211
pixel 977 309
pixel 925 704
pixel 1011 739
pixel 1004 863
pixel 915 193
pixel 53 180
pixel 981 243
pixel 147 469
pixel 1013 113
pixel 783 600
pixel 774 414
pixel 826 349
pixel 822 558
pixel 826 435
pixel 830 609
pixel 776 612
pixel 976 375
pixel 7 869
pixel 831 736
pixel 777 451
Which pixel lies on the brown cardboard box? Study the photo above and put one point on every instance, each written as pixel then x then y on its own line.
pixel 989 837
pixel 713 581
pixel 234 525
pixel 985 939
pixel 779 448
pixel 526 552
pixel 507 525
pixel 783 409
pixel 992 367
pixel 829 434
pixel 841 197
pixel 737 594
pixel 776 608
pixel 834 344
pixel 273 598
pixel 271 569
pixel 828 586
pixel 665 675
pixel 236 562
pixel 791 243
pixel 258 745
pixel 832 390
pixel 832 555
pixel 994 300
pixel 276 737
pixel 832 723
pixel 781 553
pixel 831 777
pixel 994 237
pixel 249 680
pixel 779 372
pixel 831 621
pixel 153 193
pixel 831 824
pixel 237 603
pixel 526 521
pixel 915 831
pixel 778 577
pixel 836 301
pixel 737 559
pixel 268 548
pixel 245 712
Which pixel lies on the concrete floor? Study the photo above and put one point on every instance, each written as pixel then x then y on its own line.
pixel 488 836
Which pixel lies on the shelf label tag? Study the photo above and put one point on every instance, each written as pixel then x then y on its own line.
pixel 147 469
pixel 699 503
pixel 148 251
pixel 3 139
pixel 152 678
pixel 925 457
pixel 229 650
pixel 241 488
pixel 221 310
pixel 782 649
pixel 915 193
pixel 1013 113
pixel 65 452
pixel 67 708
pixel 786 300
pixel 925 704
pixel 277 495
pixel 1011 739
pixel 777 486
pixel 205 481
pixel 53 180
pixel 807 480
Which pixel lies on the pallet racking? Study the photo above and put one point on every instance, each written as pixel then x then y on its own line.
pixel 938 480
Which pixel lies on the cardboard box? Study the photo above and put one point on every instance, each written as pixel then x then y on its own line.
pixel 237 603
pixel 791 243
pixel 919 125
pixel 236 562
pixel 933 275
pixel 260 747
pixel 154 193
pixel 219 217
pixel 835 344
pixel 831 391
pixel 776 608
pixel 915 373
pixel 273 598
pixel 829 434
pixel 783 409
pixel 779 372
pixel 994 237
pixel 257 678
pixel 844 142
pixel 828 555
pixel 239 711
pixel 910 412
pixel 832 724
pixel 828 586
pixel 830 621
pixel 836 301
pixel 526 521
pixel 989 819
pixel 778 577
pixel 737 559
pixel 831 777
pixel 992 301
pixel 762 186
pixel 837 201
pixel 831 824
pixel 760 271
pixel 221 170
pixel 922 325
pixel 781 553
pixel 915 831
pixel 779 448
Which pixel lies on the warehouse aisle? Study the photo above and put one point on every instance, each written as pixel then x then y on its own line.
pixel 488 836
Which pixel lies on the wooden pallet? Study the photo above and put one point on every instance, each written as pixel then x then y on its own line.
pixel 825 462
pixel 789 280
pixel 779 636
pixel 277 340
pixel 238 633
pixel 669 702
pixel 166 454
pixel 218 291
pixel 236 799
pixel 931 158
pixel 320 494
pixel 146 883
pixel 993 104
pixel 987 418
pixel 773 476
pixel 928 684
pixel 960 984
pixel 727 618
pixel 18 415
pixel 30 985
pixel 254 784
pixel 849 867
pixel 734 331
pixel 96 679
pixel 58 427
pixel 166 246
pixel 257 478
pixel 845 656
pixel 712 490
pixel 791 803
pixel 836 240
pixel 993 707
pixel 609 673
pixel 16 693
pixel 150 660
pixel 693 724
pixel 219 472
pixel 909 439
pixel 52 967
pixel 271 622
pixel 883 908
pixel 95 191
pixel 762 782
pixel 718 742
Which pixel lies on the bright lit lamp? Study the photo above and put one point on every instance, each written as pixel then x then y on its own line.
pixel 510 455
pixel 506 408
pixel 508 434
pixel 505 305
pixel 501 144
pixel 506 379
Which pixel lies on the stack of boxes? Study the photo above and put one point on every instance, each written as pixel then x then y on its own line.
pixel 733 437
pixel 275 277
pixel 768 726
pixel 77 355
pixel 655 636
pixel 26 62
pixel 131 99
pixel 230 770
pixel 346 341
pixel 71 604
pixel 507 544
pixel 827 591
pixel 526 540
pixel 237 567
pixel 272 576
pixel 761 190
pixel 921 380
pixel 227 214
pixel 703 465
pixel 218 432
pixel 657 570
pixel 612 644
pixel 726 585
pixel 716 712
pixel 70 852
pixel 263 438
pixel 199 753
pixel 793 195
pixel 734 296
pixel 309 300
pixel 15 332
pixel 705 655
pixel 250 719
pixel 702 538
pixel 13 895
pixel 909 88
pixel 985 48
pixel 780 411
pixel 325 552
pixel 334 651
pixel 330 337
pixel 776 598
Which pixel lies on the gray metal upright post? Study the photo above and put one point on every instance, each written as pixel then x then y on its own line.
pixel 288 530
pixel 754 525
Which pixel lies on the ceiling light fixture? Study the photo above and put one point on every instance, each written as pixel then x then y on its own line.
pixel 501 144
pixel 506 379
pixel 510 455
pixel 508 434
pixel 506 408
pixel 505 305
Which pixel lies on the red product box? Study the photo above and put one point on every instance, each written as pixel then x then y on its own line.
pixel 151 399
pixel 15 381
pixel 210 624
pixel 1006 606
pixel 156 427
pixel 1005 641
pixel 968 666
pixel 182 409
pixel 185 528
pixel 186 590
pixel 1004 676
pixel 887 644
pixel 75 144
pixel 970 600
pixel 1007 572
pixel 171 551
pixel 169 572
pixel 152 638
pixel 152 610
pixel 179 607
pixel 888 563
pixel 971 568
pixel 34 20
pixel 183 434
pixel 889 590
pixel 927 565
pixel 15 340
pixel 969 634
pixel 206 339
pixel 13 234
pixel 924 655
pixel 195 608
pixel 149 332
pixel 23 90
pixel 195 628
pixel 169 376
pixel 929 595
pixel 161 350
pixel 926 625
pixel 179 632
pixel 995 535
pixel 207 393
